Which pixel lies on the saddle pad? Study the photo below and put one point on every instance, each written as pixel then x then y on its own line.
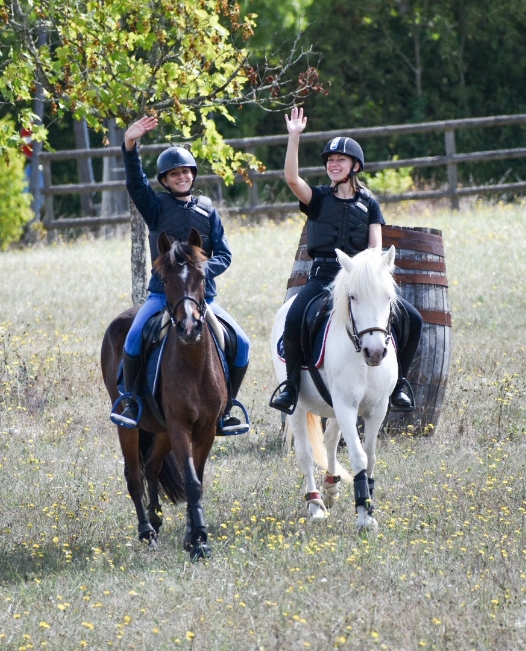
pixel 150 380
pixel 318 350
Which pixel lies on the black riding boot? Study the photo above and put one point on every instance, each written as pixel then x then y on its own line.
pixel 237 373
pixel 402 398
pixel 131 370
pixel 287 399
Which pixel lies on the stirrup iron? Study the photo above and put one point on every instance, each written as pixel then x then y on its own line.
pixel 233 430
pixel 116 418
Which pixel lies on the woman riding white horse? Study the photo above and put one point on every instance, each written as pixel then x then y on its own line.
pixel 341 215
pixel 359 370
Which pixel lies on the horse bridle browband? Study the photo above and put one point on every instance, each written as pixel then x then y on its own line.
pixel 356 337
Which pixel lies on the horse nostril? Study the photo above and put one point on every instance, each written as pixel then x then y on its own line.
pixel 384 353
pixel 367 353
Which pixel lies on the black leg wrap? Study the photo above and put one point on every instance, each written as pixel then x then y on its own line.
pixel 196 537
pixel 370 482
pixel 362 497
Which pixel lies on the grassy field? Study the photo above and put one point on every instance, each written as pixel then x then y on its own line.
pixel 448 567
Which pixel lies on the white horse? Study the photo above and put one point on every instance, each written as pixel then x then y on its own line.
pixel 360 371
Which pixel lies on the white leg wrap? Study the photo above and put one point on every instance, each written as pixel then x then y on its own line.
pixel 330 490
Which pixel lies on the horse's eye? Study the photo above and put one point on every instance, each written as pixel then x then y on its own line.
pixel 352 298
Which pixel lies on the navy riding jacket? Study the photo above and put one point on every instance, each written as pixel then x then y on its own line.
pixel 153 210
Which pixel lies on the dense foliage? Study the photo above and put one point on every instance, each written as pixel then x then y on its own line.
pixel 186 61
pixel 407 61
pixel 380 62
pixel 15 202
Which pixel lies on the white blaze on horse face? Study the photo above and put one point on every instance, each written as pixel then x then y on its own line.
pixel 183 275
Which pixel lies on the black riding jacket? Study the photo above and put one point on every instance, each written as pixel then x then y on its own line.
pixel 338 223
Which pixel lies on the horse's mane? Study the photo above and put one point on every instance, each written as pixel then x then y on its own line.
pixel 368 278
pixel 179 253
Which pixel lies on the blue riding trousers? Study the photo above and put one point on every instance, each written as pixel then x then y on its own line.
pixel 157 302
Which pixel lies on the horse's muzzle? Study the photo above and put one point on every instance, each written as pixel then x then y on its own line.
pixel 374 357
pixel 189 330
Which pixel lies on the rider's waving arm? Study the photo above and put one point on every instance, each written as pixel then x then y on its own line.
pixel 295 125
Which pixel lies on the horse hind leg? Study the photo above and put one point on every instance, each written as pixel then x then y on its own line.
pixel 330 489
pixel 308 433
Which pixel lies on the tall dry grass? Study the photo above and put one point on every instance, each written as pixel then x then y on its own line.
pixel 448 568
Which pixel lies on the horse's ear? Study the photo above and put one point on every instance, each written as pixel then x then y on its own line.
pixel 389 256
pixel 195 238
pixel 163 243
pixel 344 260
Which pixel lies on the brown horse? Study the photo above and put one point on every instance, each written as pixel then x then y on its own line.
pixel 193 395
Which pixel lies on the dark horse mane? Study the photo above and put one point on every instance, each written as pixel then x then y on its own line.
pixel 179 253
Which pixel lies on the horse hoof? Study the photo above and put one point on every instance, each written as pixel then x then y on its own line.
pixel 153 545
pixel 317 513
pixel 366 525
pixel 200 552
pixel 148 535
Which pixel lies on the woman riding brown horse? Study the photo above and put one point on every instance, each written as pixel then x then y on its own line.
pixel 193 395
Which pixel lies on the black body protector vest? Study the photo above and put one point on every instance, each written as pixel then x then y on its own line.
pixel 177 221
pixel 340 224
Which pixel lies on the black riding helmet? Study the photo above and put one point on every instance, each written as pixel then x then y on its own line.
pixel 172 158
pixel 346 146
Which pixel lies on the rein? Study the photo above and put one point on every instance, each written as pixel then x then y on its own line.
pixel 356 337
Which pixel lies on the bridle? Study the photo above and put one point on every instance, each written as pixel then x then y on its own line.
pixel 356 337
pixel 201 305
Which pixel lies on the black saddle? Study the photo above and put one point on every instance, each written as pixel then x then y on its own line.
pixel 315 317
pixel 154 334
pixel 313 323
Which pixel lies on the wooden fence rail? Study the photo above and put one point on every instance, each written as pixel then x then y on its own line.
pixel 451 160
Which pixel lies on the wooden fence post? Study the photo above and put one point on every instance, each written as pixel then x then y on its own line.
pixel 452 171
pixel 253 195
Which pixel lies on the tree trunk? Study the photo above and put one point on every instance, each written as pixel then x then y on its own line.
pixel 138 256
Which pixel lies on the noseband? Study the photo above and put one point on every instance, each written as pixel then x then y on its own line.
pixel 202 307
pixel 356 337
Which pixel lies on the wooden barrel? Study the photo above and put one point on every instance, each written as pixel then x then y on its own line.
pixel 421 277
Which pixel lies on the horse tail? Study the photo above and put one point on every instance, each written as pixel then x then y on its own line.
pixel 319 450
pixel 317 442
pixel 170 481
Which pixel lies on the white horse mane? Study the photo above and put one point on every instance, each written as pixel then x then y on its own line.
pixel 368 275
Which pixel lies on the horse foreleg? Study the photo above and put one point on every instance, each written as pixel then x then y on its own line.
pixel 129 441
pixel 372 423
pixel 359 464
pixel 305 458
pixel 196 537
